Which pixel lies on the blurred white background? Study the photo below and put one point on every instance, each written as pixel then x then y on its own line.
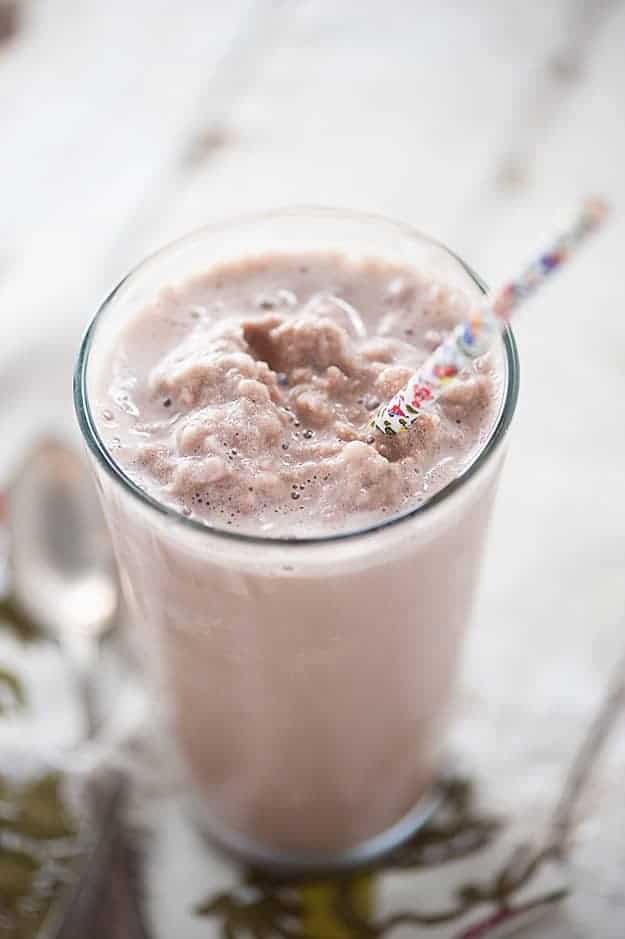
pixel 124 124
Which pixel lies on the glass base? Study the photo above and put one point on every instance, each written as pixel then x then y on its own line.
pixel 287 865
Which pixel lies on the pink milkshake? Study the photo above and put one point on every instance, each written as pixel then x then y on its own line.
pixel 302 583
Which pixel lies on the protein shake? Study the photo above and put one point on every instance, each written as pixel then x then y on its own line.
pixel 304 647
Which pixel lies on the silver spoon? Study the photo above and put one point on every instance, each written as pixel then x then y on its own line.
pixel 63 572
pixel 64 577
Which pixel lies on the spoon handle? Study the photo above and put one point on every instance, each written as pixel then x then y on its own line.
pixel 81 652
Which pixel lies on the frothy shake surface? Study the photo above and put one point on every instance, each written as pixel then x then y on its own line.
pixel 242 397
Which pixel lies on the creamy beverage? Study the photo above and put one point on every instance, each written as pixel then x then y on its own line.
pixel 304 674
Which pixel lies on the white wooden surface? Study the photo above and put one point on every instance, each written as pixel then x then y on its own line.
pixel 124 124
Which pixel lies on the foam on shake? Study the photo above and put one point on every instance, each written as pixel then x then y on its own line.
pixel 242 398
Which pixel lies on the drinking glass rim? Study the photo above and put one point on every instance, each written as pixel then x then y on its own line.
pixel 97 447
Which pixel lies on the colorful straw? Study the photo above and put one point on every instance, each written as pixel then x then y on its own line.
pixel 472 337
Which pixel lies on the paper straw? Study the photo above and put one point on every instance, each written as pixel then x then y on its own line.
pixel 473 336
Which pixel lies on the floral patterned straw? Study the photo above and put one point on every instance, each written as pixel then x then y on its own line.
pixel 472 337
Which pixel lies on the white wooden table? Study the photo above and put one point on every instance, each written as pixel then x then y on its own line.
pixel 124 124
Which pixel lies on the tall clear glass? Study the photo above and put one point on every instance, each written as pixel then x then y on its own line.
pixel 305 683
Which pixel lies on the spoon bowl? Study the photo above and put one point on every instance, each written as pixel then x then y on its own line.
pixel 63 573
